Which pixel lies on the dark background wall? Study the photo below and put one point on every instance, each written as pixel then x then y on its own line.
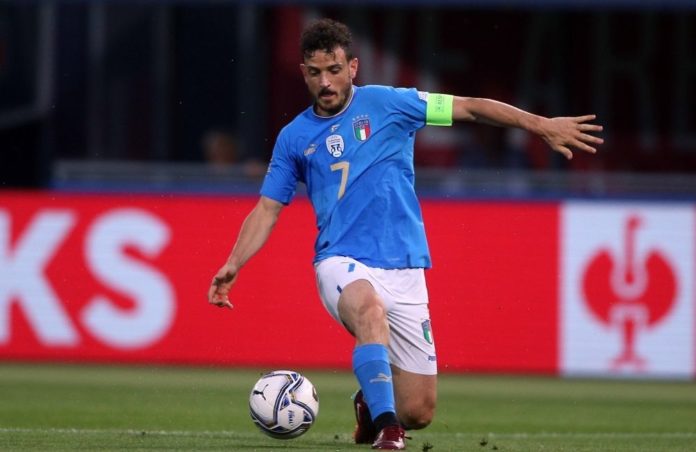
pixel 146 81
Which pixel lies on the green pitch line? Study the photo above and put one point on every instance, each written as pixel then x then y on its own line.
pixel 52 407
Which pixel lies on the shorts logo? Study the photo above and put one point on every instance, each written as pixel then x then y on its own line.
pixel 335 146
pixel 427 331
pixel 361 128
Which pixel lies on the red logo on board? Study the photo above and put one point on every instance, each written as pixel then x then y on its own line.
pixel 629 293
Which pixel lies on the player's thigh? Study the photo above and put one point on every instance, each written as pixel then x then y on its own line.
pixel 415 396
pixel 333 275
pixel 362 312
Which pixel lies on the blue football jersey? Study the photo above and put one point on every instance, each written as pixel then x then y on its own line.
pixel 358 170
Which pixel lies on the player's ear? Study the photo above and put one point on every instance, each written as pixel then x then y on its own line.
pixel 303 69
pixel 353 67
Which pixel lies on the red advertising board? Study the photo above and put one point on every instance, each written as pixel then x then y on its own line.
pixel 493 286
pixel 112 278
pixel 124 278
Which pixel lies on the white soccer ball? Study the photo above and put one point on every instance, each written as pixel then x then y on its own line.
pixel 283 404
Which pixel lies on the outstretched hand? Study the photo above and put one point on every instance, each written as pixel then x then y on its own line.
pixel 563 133
pixel 221 285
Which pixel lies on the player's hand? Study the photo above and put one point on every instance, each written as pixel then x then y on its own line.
pixel 221 285
pixel 563 133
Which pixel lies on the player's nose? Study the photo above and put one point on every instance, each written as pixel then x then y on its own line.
pixel 324 81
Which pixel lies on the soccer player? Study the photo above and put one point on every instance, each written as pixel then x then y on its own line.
pixel 353 149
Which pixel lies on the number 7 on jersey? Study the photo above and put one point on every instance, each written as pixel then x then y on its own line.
pixel 343 167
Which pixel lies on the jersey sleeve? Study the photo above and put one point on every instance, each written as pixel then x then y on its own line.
pixel 423 108
pixel 282 175
pixel 411 103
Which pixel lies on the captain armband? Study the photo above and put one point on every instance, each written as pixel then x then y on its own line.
pixel 439 109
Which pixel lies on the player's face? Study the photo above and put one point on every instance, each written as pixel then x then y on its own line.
pixel 329 77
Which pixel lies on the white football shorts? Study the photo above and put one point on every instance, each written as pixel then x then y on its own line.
pixel 405 296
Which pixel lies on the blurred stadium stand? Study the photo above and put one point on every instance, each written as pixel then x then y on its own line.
pixel 118 95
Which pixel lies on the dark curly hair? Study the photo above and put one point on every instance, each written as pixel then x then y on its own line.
pixel 326 35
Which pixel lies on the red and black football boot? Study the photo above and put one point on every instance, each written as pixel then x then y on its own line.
pixel 390 437
pixel 365 431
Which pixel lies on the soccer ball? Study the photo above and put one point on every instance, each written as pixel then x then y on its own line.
pixel 283 404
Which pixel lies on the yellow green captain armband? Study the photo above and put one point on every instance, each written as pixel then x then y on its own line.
pixel 439 109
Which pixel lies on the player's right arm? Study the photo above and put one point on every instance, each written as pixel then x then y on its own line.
pixel 253 234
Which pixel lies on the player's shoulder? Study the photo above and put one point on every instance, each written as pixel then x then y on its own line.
pixel 388 93
pixel 386 89
pixel 298 124
pixel 382 89
pixel 293 138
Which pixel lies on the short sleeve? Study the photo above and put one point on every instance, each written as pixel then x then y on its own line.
pixel 410 103
pixel 282 175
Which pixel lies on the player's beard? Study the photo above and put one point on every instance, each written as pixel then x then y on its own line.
pixel 341 100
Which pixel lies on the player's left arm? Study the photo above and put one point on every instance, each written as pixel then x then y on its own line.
pixel 561 133
pixel 254 233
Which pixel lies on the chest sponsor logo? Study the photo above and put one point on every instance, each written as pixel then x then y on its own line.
pixel 335 145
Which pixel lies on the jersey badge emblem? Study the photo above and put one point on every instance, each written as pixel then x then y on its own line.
pixel 361 128
pixel 335 145
pixel 310 150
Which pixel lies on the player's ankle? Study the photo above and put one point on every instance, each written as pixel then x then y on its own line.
pixel 385 419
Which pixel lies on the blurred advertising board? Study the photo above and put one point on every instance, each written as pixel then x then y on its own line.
pixel 569 288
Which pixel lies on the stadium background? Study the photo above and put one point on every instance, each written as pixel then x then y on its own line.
pixel 113 216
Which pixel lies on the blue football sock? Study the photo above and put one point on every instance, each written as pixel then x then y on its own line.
pixel 371 367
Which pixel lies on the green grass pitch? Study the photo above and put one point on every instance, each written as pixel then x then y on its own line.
pixel 77 407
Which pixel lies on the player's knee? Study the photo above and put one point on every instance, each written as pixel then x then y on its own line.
pixel 417 416
pixel 416 421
